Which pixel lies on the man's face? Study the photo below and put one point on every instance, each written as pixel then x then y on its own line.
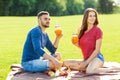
pixel 44 20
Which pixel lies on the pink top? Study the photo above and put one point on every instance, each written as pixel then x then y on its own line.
pixel 88 41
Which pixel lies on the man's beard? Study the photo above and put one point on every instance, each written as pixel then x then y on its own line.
pixel 46 26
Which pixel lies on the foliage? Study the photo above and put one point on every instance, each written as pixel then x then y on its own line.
pixel 22 7
pixel 89 3
pixel 51 6
pixel 4 6
pixel 55 7
pixel 73 7
pixel 105 6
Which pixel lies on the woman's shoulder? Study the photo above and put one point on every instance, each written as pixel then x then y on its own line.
pixel 97 28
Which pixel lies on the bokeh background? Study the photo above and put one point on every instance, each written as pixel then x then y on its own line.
pixel 17 17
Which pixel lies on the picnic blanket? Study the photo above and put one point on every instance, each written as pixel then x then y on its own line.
pixel 17 73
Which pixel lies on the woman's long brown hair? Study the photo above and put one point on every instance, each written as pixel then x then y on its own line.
pixel 84 25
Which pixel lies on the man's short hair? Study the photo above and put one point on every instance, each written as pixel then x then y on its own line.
pixel 42 13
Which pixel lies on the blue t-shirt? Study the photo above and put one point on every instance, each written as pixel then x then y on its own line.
pixel 35 43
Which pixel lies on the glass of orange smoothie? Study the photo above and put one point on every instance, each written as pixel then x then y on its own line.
pixel 74 38
pixel 58 30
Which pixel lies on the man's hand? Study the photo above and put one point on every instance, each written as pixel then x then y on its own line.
pixel 57 64
pixel 57 56
pixel 59 36
pixel 54 63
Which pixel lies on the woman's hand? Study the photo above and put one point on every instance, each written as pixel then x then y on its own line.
pixel 83 65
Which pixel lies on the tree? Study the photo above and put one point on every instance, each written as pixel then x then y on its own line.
pixel 52 6
pixel 73 7
pixel 105 6
pixel 4 6
pixel 29 7
pixel 89 4
pixel 21 7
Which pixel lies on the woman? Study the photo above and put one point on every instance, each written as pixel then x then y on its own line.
pixel 90 39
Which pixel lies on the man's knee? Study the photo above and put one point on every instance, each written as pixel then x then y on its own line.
pixel 51 66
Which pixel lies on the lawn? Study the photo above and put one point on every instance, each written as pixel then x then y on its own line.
pixel 13 31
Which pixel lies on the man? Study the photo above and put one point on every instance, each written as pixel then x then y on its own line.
pixel 34 58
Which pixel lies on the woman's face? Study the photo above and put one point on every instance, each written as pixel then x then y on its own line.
pixel 91 18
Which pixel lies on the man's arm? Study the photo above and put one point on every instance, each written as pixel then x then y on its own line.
pixel 56 43
pixel 52 47
pixel 35 35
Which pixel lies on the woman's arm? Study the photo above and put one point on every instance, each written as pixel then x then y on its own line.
pixel 95 52
pixel 93 55
pixel 78 32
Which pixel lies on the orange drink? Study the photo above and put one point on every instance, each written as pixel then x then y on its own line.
pixel 58 30
pixel 75 38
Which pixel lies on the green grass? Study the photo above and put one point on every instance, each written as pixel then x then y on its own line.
pixel 13 31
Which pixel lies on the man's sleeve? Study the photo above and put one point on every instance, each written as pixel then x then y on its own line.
pixel 50 46
pixel 35 35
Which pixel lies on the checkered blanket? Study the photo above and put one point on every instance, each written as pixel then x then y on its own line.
pixel 17 73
